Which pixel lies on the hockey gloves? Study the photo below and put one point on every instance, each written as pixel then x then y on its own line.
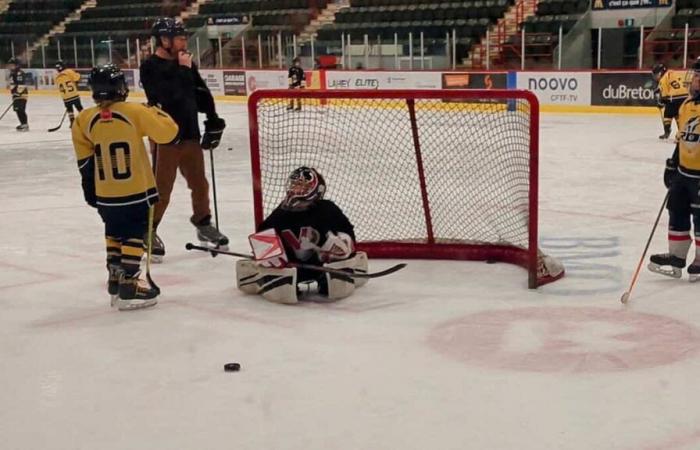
pixel 337 247
pixel 268 250
pixel 213 129
pixel 670 172
pixel 87 174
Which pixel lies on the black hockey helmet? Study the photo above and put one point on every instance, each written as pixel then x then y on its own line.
pixel 305 186
pixel 658 70
pixel 296 60
pixel 167 27
pixel 14 61
pixel 60 66
pixel 692 75
pixel 108 83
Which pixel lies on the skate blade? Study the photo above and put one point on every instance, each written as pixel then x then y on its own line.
pixel 131 305
pixel 156 259
pixel 213 246
pixel 113 300
pixel 693 277
pixel 673 272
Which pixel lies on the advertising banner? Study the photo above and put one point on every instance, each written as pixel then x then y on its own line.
pixel 214 80
pixel 629 4
pixel 622 89
pixel 382 80
pixel 234 82
pixel 557 88
pixel 265 79
pixel 474 80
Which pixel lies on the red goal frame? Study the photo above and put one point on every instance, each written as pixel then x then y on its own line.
pixel 526 258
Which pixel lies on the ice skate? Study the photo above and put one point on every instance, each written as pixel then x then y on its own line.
pixel 694 271
pixel 22 128
pixel 135 293
pixel 667 264
pixel 113 283
pixel 210 237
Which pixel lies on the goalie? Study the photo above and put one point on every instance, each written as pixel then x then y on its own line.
pixel 308 230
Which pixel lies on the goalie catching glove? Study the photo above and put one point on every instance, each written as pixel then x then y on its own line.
pixel 213 129
pixel 336 248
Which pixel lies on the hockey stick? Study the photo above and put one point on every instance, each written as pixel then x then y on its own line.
pixel 7 110
pixel 149 249
pixel 388 271
pixel 213 188
pixel 65 113
pixel 626 296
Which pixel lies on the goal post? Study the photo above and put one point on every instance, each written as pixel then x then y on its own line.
pixel 428 174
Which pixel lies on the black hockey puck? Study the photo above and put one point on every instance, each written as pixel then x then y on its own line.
pixel 232 367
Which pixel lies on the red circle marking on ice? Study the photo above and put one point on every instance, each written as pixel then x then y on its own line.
pixel 580 340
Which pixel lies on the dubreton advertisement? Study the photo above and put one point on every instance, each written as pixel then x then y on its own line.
pixel 557 88
pixel 622 89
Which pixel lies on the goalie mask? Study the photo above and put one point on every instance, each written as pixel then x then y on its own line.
pixel 305 186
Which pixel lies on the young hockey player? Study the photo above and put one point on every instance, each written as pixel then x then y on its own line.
pixel 682 178
pixel 672 90
pixel 297 80
pixel 307 229
pixel 172 81
pixel 117 178
pixel 19 92
pixel 67 82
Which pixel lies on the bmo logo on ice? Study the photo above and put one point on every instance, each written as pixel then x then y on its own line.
pixel 557 88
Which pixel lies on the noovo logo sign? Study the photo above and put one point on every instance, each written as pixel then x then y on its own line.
pixel 552 84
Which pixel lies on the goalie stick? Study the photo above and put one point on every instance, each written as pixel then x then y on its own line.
pixel 65 113
pixel 385 272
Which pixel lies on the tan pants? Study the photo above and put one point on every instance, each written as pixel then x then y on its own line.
pixel 189 158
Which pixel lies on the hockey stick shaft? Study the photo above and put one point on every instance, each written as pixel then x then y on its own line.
pixel 7 110
pixel 149 249
pixel 65 113
pixel 626 296
pixel 213 188
pixel 388 271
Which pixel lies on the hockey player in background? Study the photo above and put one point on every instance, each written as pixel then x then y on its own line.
pixel 19 92
pixel 672 91
pixel 118 180
pixel 297 80
pixel 67 82
pixel 682 178
pixel 172 81
pixel 307 229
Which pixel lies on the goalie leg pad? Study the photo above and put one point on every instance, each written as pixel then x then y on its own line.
pixel 340 286
pixel 274 285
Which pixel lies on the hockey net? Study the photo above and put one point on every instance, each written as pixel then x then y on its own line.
pixel 440 174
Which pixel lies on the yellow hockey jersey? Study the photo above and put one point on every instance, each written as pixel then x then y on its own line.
pixel 67 82
pixel 672 85
pixel 112 140
pixel 689 138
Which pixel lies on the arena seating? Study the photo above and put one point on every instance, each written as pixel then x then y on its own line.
pixel 26 20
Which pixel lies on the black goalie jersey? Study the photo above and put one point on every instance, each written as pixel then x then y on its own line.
pixel 297 77
pixel 304 231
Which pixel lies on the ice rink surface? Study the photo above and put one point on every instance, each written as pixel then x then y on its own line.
pixel 442 355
